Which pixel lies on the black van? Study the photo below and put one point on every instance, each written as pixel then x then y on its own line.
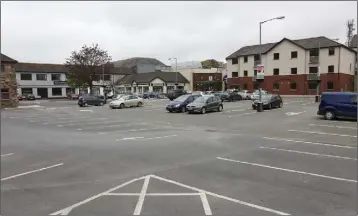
pixel 86 100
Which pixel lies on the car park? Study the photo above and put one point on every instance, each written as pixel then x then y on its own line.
pixel 269 101
pixel 86 100
pixel 126 101
pixel 338 104
pixel 180 103
pixel 205 104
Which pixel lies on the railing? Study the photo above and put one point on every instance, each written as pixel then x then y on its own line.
pixel 313 76
pixel 259 76
pixel 257 62
pixel 314 59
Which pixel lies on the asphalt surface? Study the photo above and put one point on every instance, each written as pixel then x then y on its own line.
pixel 60 159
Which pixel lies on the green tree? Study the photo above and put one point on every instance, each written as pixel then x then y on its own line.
pixel 211 63
pixel 87 65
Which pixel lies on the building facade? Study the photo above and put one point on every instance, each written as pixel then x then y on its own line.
pixel 50 80
pixel 8 82
pixel 294 67
pixel 159 82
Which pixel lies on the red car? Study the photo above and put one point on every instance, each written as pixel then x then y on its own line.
pixel 19 97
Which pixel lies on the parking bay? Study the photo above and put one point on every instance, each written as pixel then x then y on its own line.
pixel 259 168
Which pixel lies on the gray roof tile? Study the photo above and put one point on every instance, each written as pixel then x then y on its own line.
pixel 148 77
pixel 5 58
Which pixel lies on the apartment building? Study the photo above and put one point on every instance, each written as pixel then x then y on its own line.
pixel 294 67
pixel 50 80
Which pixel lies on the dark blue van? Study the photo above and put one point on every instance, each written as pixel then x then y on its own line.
pixel 338 104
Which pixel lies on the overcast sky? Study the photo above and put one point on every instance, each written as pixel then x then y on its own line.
pixel 47 32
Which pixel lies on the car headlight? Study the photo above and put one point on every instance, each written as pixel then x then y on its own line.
pixel 178 105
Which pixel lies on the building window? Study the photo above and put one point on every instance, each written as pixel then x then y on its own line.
pixel 276 86
pixel 107 77
pixel 331 51
pixel 293 70
pixel 245 73
pixel 245 86
pixel 2 68
pixel 5 94
pixel 56 91
pixel 56 77
pixel 26 91
pixel 96 77
pixel 312 86
pixel 293 54
pixel 255 72
pixel 245 59
pixel 235 74
pixel 276 56
pixel 313 70
pixel 330 85
pixel 42 77
pixel 331 69
pixel 276 71
pixel 293 86
pixel 234 61
pixel 25 76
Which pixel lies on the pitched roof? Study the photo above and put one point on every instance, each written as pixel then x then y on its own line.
pixel 353 43
pixel 5 58
pixel 148 77
pixel 131 62
pixel 307 43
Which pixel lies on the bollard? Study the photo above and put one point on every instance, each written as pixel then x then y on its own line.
pixel 317 98
pixel 260 107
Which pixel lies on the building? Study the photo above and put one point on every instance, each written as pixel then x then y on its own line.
pixel 50 80
pixel 8 82
pixel 354 42
pixel 141 65
pixel 294 67
pixel 200 79
pixel 160 82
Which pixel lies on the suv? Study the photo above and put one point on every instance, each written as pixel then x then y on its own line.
pixel 86 100
pixel 176 93
pixel 338 104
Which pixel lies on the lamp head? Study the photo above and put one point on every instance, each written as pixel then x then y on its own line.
pixel 280 17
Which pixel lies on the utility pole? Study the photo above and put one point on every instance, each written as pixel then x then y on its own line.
pixel 176 71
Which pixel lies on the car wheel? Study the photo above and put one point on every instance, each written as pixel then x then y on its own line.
pixel 183 110
pixel 86 104
pixel 329 115
pixel 139 104
pixel 220 108
pixel 203 110
pixel 190 112
pixel 101 104
pixel 122 106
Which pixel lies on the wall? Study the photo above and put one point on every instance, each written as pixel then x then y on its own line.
pixel 348 61
pixel 8 80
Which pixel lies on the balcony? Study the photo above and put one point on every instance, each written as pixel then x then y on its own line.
pixel 257 62
pixel 313 77
pixel 258 77
pixel 314 60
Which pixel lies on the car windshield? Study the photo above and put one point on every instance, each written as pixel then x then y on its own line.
pixel 182 98
pixel 266 97
pixel 200 100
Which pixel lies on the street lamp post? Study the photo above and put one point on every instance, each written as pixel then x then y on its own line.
pixel 176 71
pixel 276 18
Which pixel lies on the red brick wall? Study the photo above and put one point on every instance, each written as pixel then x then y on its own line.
pixel 340 81
pixel 205 77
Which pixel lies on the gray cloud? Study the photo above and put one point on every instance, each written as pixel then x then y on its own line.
pixel 49 31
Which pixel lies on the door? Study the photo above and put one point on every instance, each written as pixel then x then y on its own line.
pixel 347 106
pixel 134 100
pixel 352 107
pixel 210 103
pixel 42 92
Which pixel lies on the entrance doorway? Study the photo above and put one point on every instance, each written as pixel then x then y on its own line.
pixel 43 92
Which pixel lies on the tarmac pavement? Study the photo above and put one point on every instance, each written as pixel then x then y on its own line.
pixel 68 160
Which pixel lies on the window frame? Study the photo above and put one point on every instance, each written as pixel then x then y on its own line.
pixel 274 71
pixel 309 85
pixel 245 59
pixel 292 55
pixel 295 85
pixel 245 86
pixel 276 55
pixel 232 74
pixel 246 73
pixel 55 79
pixel 274 85
pixel 330 67
pixel 236 61
pixel 21 78
pixel 294 73
pixel 5 93
pixel 330 49
pixel 56 94
pixel 330 82
pixel 41 79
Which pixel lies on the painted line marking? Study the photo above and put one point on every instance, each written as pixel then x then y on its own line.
pixel 309 153
pixel 288 170
pixel 71 123
pixel 141 198
pixel 206 205
pixel 311 143
pixel 198 192
pixel 85 110
pixel 294 113
pixel 143 138
pixel 131 138
pixel 59 125
pixel 323 133
pixel 334 126
pixel 345 122
pixel 4 155
pixel 33 171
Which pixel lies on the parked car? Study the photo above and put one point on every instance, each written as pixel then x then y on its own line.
pixel 102 98
pixel 30 97
pixel 199 93
pixel 245 94
pixel 223 95
pixel 269 101
pixel 176 93
pixel 86 100
pixel 19 97
pixel 255 95
pixel 234 96
pixel 179 104
pixel 126 101
pixel 338 104
pixel 73 96
pixel 205 104
pixel 116 97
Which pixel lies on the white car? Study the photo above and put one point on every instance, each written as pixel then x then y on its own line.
pixel 126 101
pixel 245 94
pixel 116 97
pixel 256 96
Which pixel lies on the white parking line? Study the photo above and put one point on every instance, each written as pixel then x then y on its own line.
pixel 309 153
pixel 4 155
pixel 141 198
pixel 322 133
pixel 310 143
pixel 33 171
pixel 143 138
pixel 334 126
pixel 289 170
